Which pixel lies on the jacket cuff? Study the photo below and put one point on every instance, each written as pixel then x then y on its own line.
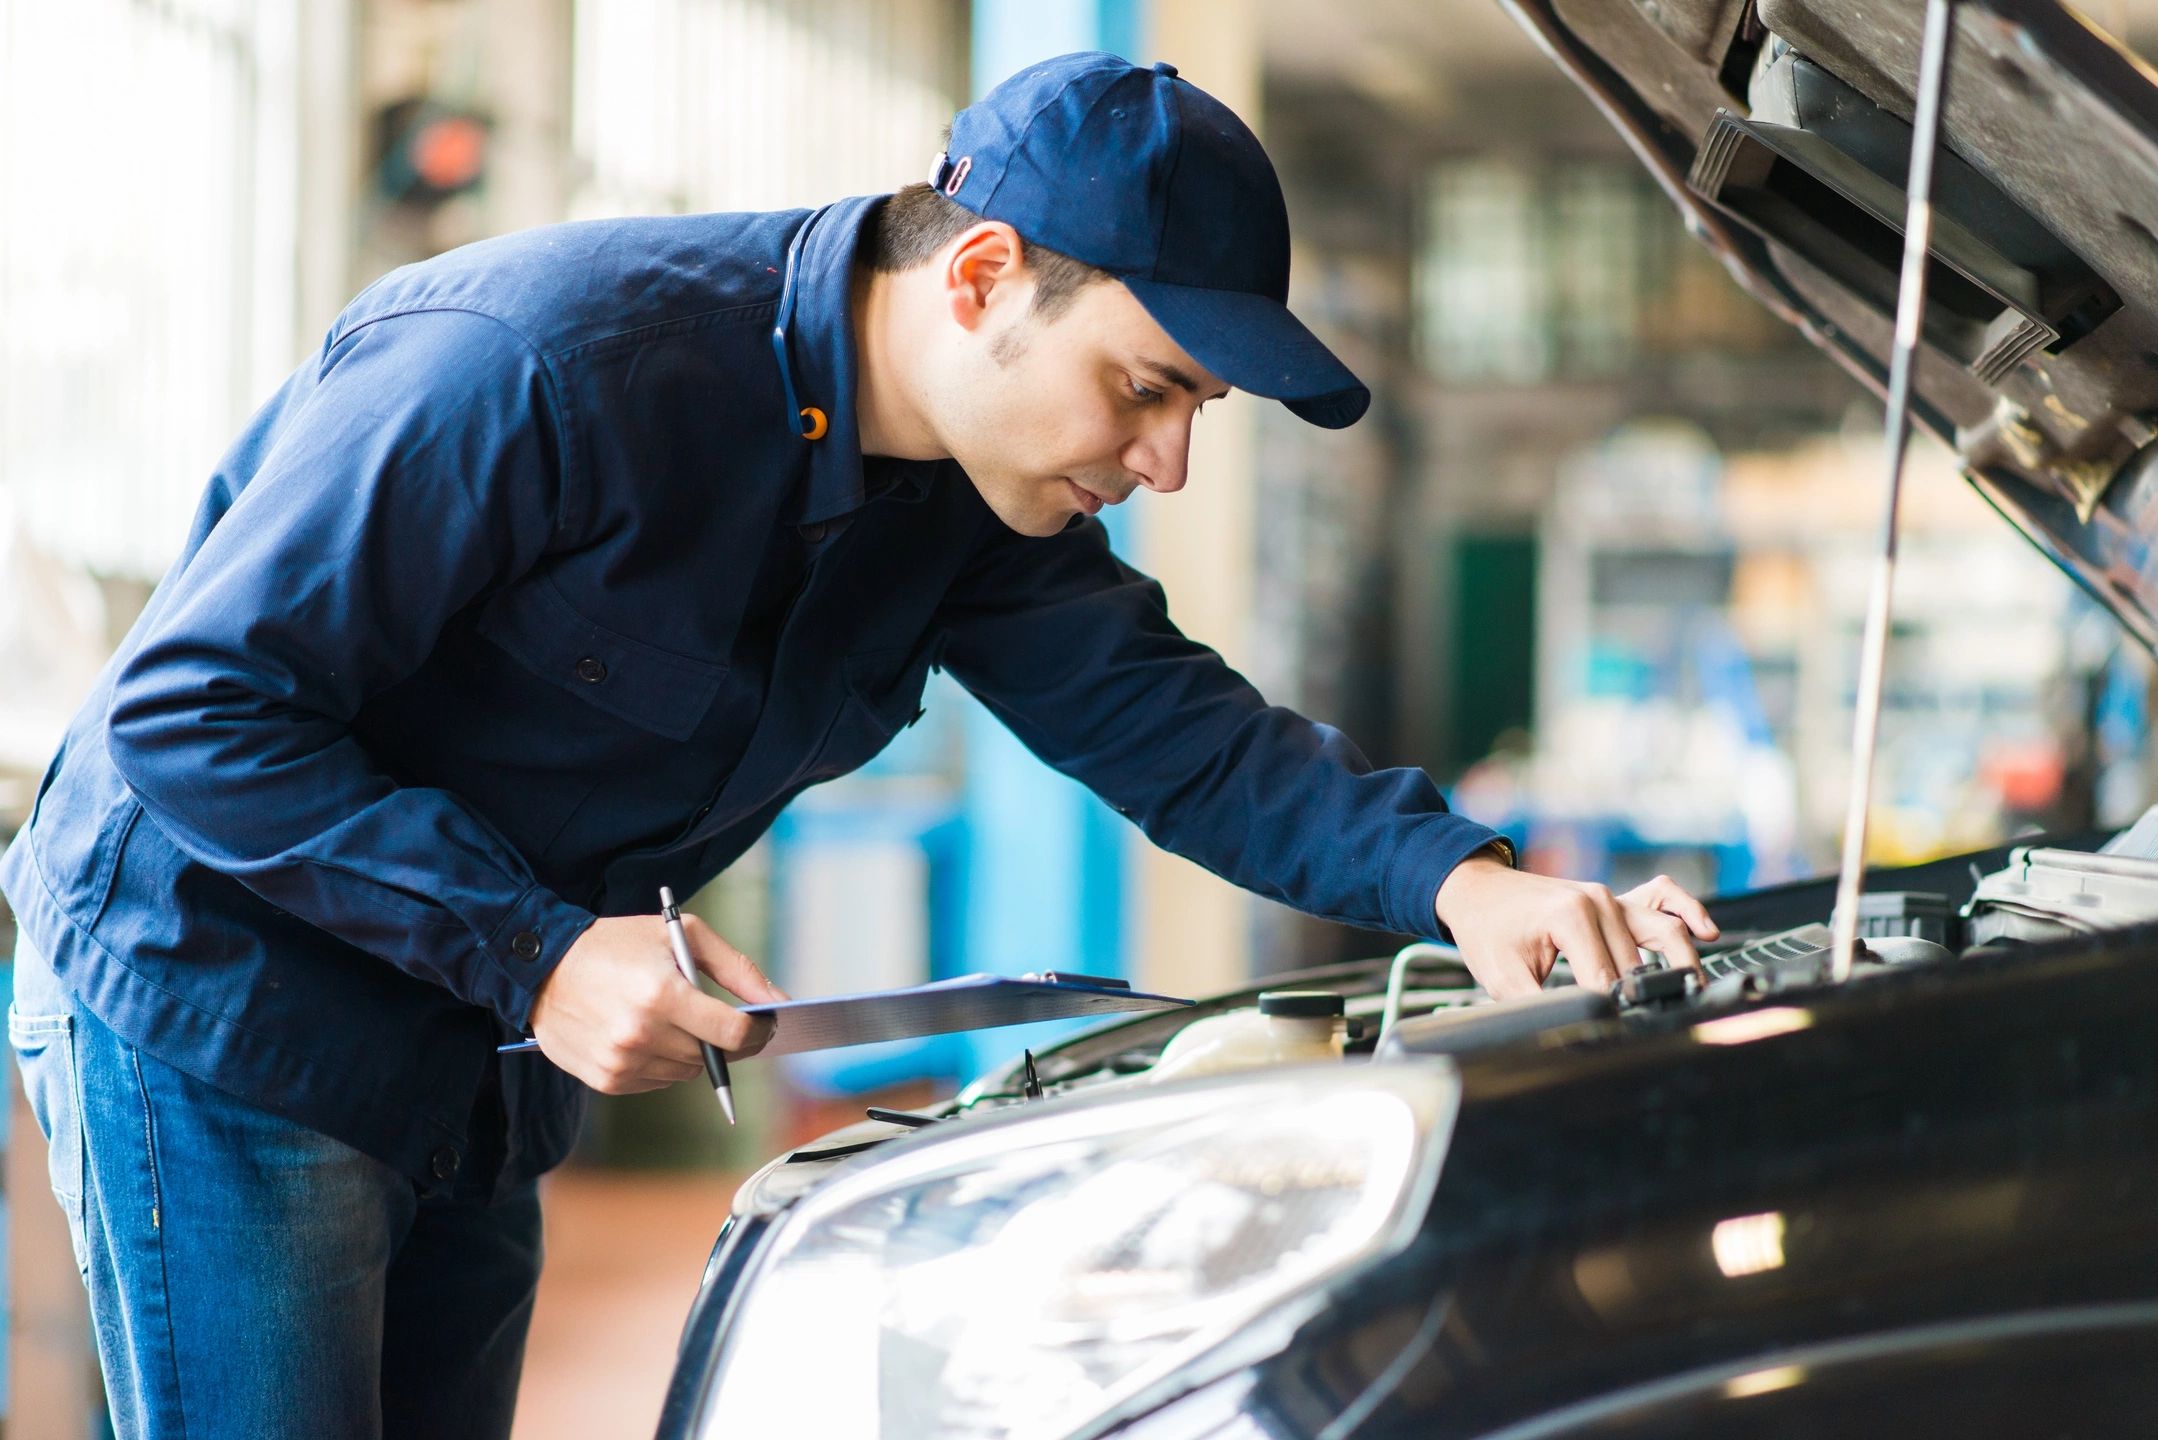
pixel 523 950
pixel 1421 863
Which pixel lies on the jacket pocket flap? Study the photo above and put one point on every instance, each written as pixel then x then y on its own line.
pixel 640 683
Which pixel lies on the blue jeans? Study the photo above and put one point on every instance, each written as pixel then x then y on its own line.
pixel 252 1277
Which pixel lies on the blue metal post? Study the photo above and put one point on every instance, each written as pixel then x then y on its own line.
pixel 1046 869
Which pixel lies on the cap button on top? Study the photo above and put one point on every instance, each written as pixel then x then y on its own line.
pixel 591 670
pixel 1163 67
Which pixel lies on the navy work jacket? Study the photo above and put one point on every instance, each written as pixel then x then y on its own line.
pixel 527 595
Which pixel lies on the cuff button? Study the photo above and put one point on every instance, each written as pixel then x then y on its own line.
pixel 591 670
pixel 525 945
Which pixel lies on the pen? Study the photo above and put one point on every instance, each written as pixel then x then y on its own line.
pixel 715 1064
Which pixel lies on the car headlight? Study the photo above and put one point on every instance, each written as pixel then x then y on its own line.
pixel 1021 1276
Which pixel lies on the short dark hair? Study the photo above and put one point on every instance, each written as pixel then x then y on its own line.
pixel 915 222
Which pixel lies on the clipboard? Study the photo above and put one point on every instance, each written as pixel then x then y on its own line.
pixel 965 1002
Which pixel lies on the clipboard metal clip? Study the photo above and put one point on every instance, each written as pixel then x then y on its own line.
pixel 1073 977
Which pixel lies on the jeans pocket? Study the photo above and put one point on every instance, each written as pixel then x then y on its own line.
pixel 45 1049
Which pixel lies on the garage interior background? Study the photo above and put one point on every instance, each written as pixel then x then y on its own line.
pixel 1596 559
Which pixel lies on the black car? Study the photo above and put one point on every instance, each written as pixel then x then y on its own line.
pixel 1749 1202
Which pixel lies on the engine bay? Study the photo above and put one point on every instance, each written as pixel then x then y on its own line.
pixel 1423 1002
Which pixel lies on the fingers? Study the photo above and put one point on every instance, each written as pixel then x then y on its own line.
pixel 656 1078
pixel 625 1087
pixel 1507 976
pixel 1664 933
pixel 762 1028
pixel 735 972
pixel 702 1017
pixel 1581 937
pixel 1594 937
pixel 1663 893
pixel 1612 929
pixel 615 1070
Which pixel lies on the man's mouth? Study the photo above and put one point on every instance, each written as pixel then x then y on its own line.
pixel 1091 501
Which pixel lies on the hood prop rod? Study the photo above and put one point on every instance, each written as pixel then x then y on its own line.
pixel 1903 357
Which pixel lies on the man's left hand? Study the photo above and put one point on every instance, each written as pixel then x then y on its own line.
pixel 1512 926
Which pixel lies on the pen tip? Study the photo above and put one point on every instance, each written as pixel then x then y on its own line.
pixel 726 1105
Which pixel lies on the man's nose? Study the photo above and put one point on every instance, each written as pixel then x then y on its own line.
pixel 1161 457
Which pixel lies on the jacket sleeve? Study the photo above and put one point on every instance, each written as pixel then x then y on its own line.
pixel 421 468
pixel 1075 651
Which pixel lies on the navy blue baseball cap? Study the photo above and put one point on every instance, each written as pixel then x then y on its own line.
pixel 1136 172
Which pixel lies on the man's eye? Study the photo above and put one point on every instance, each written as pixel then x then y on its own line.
pixel 1141 393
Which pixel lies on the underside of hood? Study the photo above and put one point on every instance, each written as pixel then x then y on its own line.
pixel 1781 129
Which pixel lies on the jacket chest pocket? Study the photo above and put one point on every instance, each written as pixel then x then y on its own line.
pixel 883 696
pixel 626 678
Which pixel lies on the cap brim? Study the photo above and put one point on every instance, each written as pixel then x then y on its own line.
pixel 1255 344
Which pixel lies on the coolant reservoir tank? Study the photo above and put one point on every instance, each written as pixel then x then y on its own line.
pixel 1287 1027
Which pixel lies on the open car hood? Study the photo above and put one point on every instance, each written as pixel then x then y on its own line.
pixel 1781 129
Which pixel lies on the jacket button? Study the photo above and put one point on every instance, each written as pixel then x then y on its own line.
pixel 816 530
pixel 591 670
pixel 444 1162
pixel 525 945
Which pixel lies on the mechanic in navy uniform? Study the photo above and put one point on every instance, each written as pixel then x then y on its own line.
pixel 570 559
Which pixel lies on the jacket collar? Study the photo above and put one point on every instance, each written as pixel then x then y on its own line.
pixel 820 346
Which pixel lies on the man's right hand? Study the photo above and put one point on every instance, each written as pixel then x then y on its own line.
pixel 617 1014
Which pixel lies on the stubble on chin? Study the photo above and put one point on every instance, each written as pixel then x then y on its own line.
pixel 1048 521
pixel 1029 509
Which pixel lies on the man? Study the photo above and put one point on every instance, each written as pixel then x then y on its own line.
pixel 569 560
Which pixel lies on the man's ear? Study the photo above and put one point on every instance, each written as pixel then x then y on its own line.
pixel 985 260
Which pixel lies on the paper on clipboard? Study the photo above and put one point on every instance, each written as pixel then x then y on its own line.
pixel 966 1002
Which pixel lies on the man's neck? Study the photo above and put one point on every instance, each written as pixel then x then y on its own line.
pixel 886 415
